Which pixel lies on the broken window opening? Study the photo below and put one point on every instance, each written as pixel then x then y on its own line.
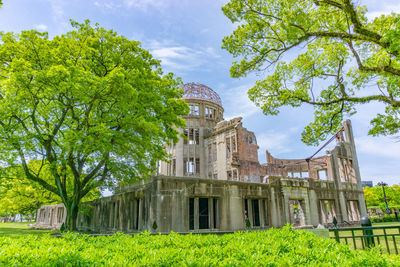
pixel 192 166
pixel 194 110
pixel 209 113
pixel 328 211
pixel 296 212
pixel 234 174
pixel 233 139
pixel 229 175
pixel 193 136
pixel 353 211
pixel 323 175
pixel 228 147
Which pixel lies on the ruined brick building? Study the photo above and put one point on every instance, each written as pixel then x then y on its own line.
pixel 214 182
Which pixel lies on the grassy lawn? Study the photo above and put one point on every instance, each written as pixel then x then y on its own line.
pixel 20 228
pixel 386 243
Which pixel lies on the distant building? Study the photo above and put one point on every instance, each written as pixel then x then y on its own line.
pixel 367 183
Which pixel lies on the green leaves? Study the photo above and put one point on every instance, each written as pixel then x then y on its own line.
pixel 90 104
pixel 322 53
pixel 275 247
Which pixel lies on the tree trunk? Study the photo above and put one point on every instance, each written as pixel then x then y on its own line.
pixel 72 215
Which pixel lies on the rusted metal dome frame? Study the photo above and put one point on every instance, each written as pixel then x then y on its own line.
pixel 200 91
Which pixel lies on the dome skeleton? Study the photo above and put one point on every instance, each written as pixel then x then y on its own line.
pixel 200 91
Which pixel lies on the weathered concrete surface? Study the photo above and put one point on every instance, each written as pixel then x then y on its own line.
pixel 214 181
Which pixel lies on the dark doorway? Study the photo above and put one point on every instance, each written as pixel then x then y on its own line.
pixel 256 212
pixel 191 213
pixel 203 213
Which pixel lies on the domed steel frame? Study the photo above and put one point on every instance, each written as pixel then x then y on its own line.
pixel 200 91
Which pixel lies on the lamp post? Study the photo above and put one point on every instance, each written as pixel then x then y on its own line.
pixel 384 196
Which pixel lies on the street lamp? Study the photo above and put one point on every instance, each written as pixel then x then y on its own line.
pixel 384 195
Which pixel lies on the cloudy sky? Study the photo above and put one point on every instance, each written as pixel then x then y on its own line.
pixel 186 35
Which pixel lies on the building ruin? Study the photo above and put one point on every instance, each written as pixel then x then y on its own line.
pixel 214 182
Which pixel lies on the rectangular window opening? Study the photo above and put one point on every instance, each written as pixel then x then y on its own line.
pixel 228 147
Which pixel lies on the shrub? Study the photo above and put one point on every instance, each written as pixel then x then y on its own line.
pixel 284 247
pixel 384 218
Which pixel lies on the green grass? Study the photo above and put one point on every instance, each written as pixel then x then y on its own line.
pixel 21 228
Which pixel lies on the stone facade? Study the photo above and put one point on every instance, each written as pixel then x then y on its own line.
pixel 214 182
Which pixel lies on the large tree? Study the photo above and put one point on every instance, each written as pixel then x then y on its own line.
pixel 374 196
pixel 320 52
pixel 89 104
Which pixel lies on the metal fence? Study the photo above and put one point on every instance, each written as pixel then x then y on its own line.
pixel 387 237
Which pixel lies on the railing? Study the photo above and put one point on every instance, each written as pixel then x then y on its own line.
pixel 387 237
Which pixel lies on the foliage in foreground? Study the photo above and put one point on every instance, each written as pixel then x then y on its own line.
pixel 274 247
pixel 324 53
pixel 92 107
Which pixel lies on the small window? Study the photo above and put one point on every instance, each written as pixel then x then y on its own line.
pixel 228 147
pixel 190 166
pixel 322 175
pixel 194 110
pixel 233 139
pixel 209 113
pixel 192 136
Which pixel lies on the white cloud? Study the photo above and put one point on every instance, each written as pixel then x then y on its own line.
pixel 106 5
pixel 379 147
pixel 275 142
pixel 237 103
pixel 179 58
pixel 41 27
pixel 144 4
pixel 379 159
pixel 378 8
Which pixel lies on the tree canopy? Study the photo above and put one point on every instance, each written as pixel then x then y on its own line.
pixel 326 53
pixel 374 196
pixel 89 104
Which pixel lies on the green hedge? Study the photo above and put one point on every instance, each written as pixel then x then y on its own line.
pixel 384 218
pixel 284 247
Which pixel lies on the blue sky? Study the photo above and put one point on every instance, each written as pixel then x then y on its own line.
pixel 186 35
